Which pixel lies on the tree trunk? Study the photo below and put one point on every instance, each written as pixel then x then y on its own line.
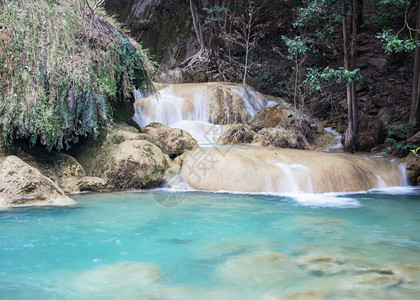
pixel 355 108
pixel 359 15
pixel 415 96
pixel 197 22
pixel 349 143
pixel 247 41
pixel 209 46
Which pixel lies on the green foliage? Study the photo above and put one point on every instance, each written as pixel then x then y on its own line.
pixel 317 12
pixel 394 44
pixel 317 78
pixel 396 2
pixel 133 61
pixel 60 75
pixel 215 14
pixel 295 46
pixel 416 151
pixel 397 134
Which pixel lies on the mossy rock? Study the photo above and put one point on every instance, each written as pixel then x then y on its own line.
pixel 23 185
pixel 130 164
pixel 61 168
pixel 123 132
pixel 174 141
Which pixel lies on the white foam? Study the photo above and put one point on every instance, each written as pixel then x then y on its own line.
pixel 394 190
pixel 324 200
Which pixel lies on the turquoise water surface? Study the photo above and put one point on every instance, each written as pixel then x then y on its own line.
pixel 214 246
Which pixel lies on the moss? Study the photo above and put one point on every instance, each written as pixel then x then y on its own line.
pixel 28 188
pixel 64 87
pixel 123 111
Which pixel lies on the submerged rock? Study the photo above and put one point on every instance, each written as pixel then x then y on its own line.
pixel 260 269
pixel 174 141
pixel 23 185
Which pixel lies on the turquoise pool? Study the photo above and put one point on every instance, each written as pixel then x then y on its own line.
pixel 215 246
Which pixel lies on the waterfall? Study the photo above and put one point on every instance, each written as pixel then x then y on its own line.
pixel 273 170
pixel 201 109
pixel 206 109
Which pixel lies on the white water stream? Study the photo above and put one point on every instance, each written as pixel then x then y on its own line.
pixel 191 107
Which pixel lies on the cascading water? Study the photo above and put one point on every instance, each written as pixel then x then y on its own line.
pixel 200 109
pixel 204 110
pixel 272 170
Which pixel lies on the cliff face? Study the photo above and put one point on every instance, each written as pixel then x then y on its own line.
pixel 165 28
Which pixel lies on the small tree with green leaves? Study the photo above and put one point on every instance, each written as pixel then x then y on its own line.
pixel 322 16
pixel 397 42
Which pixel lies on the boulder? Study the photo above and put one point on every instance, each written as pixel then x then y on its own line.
pixel 386 115
pixel 123 132
pixel 279 137
pixel 63 169
pixel 270 117
pixel 378 62
pixel 412 164
pixel 415 139
pixel 278 127
pixel 23 185
pixel 371 133
pixel 174 141
pixel 130 164
pixel 67 172
pixel 67 167
pixel 93 184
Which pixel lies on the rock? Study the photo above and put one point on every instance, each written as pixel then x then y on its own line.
pixel 371 133
pixel 67 167
pixel 235 134
pixel 23 185
pixel 386 115
pixel 123 132
pixel 270 117
pixel 175 76
pixel 85 184
pixel 278 137
pixel 67 172
pixel 415 139
pixel 253 169
pixel 378 62
pixel 63 169
pixel 260 269
pixel 412 164
pixel 174 141
pixel 276 126
pixel 93 184
pixel 130 164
